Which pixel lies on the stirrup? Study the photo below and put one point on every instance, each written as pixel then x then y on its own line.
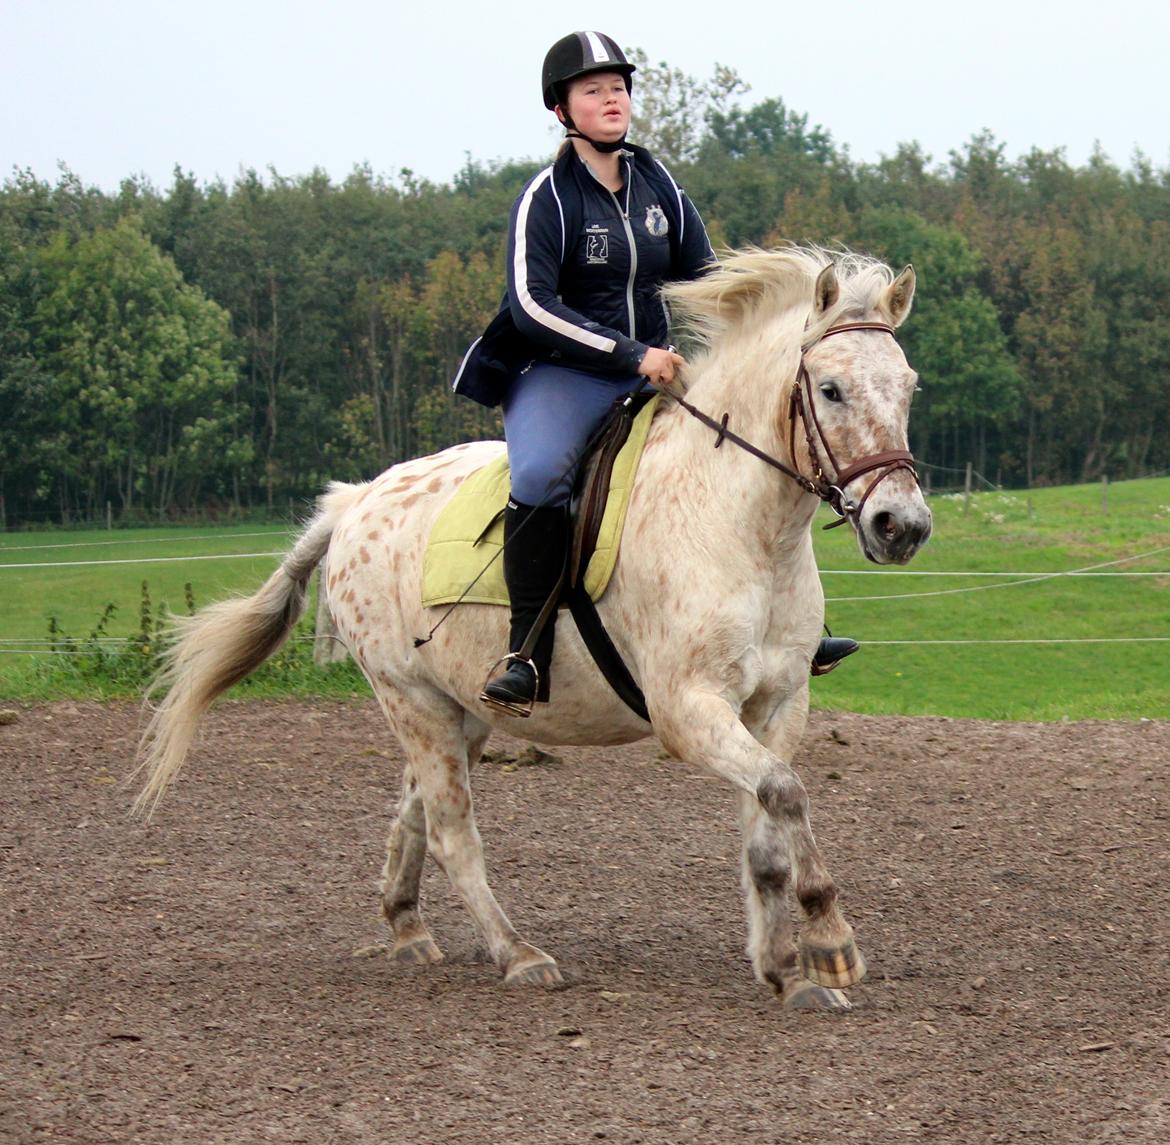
pixel 512 707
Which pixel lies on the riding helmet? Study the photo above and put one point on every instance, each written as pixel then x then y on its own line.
pixel 578 54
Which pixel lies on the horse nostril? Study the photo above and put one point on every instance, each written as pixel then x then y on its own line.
pixel 887 526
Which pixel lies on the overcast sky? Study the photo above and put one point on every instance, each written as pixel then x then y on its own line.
pixel 119 87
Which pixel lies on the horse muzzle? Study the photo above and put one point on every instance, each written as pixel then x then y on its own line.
pixel 891 530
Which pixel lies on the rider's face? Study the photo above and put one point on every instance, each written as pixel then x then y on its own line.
pixel 599 106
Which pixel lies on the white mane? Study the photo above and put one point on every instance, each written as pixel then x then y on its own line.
pixel 751 283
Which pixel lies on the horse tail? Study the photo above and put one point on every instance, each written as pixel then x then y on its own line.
pixel 223 643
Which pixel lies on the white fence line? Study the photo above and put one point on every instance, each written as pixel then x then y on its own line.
pixel 1040 640
pixel 148 541
pixel 1026 578
pixel 1038 575
pixel 136 561
pixel 960 573
pixel 47 650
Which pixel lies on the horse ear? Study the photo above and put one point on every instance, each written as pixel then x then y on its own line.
pixel 826 291
pixel 899 295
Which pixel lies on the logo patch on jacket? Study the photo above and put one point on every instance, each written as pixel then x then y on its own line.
pixel 656 221
pixel 596 244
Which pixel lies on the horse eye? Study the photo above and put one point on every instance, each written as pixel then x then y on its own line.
pixel 829 389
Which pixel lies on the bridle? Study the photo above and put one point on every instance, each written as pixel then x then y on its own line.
pixel 802 408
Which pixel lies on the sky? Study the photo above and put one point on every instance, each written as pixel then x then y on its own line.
pixel 114 88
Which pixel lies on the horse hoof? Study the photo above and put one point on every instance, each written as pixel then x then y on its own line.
pixel 832 967
pixel 532 967
pixel 808 996
pixel 416 952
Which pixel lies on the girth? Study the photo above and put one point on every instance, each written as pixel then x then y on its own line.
pixel 587 509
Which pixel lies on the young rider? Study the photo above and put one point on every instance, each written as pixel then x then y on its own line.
pixel 591 239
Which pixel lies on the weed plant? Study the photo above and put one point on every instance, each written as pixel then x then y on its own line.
pixel 104 667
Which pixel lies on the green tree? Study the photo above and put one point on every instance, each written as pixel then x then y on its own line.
pixel 753 160
pixel 671 109
pixel 457 301
pixel 971 388
pixel 141 368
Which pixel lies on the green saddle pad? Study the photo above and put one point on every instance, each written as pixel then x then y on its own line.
pixel 469 532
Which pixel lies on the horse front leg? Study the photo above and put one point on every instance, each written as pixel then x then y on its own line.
pixel 767 879
pixel 828 954
pixel 779 850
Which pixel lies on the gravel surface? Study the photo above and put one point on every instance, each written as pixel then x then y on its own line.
pixel 219 974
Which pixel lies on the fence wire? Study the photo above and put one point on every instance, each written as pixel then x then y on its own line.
pixel 80 646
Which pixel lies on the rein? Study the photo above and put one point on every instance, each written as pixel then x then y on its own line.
pixel 801 407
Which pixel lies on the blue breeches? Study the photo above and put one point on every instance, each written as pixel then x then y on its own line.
pixel 550 413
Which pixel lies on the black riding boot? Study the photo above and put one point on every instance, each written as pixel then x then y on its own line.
pixel 830 652
pixel 535 543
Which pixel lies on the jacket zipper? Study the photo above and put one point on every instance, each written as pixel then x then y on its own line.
pixel 625 214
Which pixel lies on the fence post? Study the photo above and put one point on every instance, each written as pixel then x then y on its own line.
pixel 327 646
pixel 109 516
pixel 967 490
pixel 1105 494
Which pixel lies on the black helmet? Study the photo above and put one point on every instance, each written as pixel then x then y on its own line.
pixel 578 54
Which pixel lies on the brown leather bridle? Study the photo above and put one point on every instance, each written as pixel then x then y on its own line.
pixel 801 407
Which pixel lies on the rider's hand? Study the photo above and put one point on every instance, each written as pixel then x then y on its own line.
pixel 660 366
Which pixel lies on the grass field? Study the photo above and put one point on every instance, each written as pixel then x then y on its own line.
pixel 66 579
pixel 934 644
pixel 897 615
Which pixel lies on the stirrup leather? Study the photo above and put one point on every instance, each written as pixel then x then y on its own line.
pixel 522 709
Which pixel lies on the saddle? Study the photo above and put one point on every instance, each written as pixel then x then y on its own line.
pixel 459 564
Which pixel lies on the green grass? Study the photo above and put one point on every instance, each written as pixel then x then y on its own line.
pixel 90 569
pixel 1042 531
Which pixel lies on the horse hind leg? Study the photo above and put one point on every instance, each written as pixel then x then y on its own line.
pixel 437 801
pixel 406 851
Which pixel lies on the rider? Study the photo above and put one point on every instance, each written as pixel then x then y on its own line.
pixel 590 241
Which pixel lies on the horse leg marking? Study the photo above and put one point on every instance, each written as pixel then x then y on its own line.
pixel 805 980
pixel 782 794
pixel 770 873
pixel 828 954
pixel 766 874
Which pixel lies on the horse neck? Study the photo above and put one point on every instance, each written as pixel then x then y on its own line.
pixel 728 485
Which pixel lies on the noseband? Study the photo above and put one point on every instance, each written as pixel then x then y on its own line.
pixel 802 408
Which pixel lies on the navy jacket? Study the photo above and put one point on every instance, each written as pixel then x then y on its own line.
pixel 585 265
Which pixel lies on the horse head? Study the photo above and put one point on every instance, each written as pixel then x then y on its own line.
pixel 840 429
pixel 853 394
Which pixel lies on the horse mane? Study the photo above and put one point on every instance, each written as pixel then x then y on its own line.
pixel 750 282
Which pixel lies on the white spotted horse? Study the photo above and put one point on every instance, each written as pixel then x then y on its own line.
pixel 715 603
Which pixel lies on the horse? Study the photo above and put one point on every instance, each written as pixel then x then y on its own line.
pixel 715 604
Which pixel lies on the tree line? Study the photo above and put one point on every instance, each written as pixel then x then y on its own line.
pixel 229 347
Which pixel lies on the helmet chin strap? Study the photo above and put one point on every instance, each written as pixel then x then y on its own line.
pixel 596 144
pixel 573 132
